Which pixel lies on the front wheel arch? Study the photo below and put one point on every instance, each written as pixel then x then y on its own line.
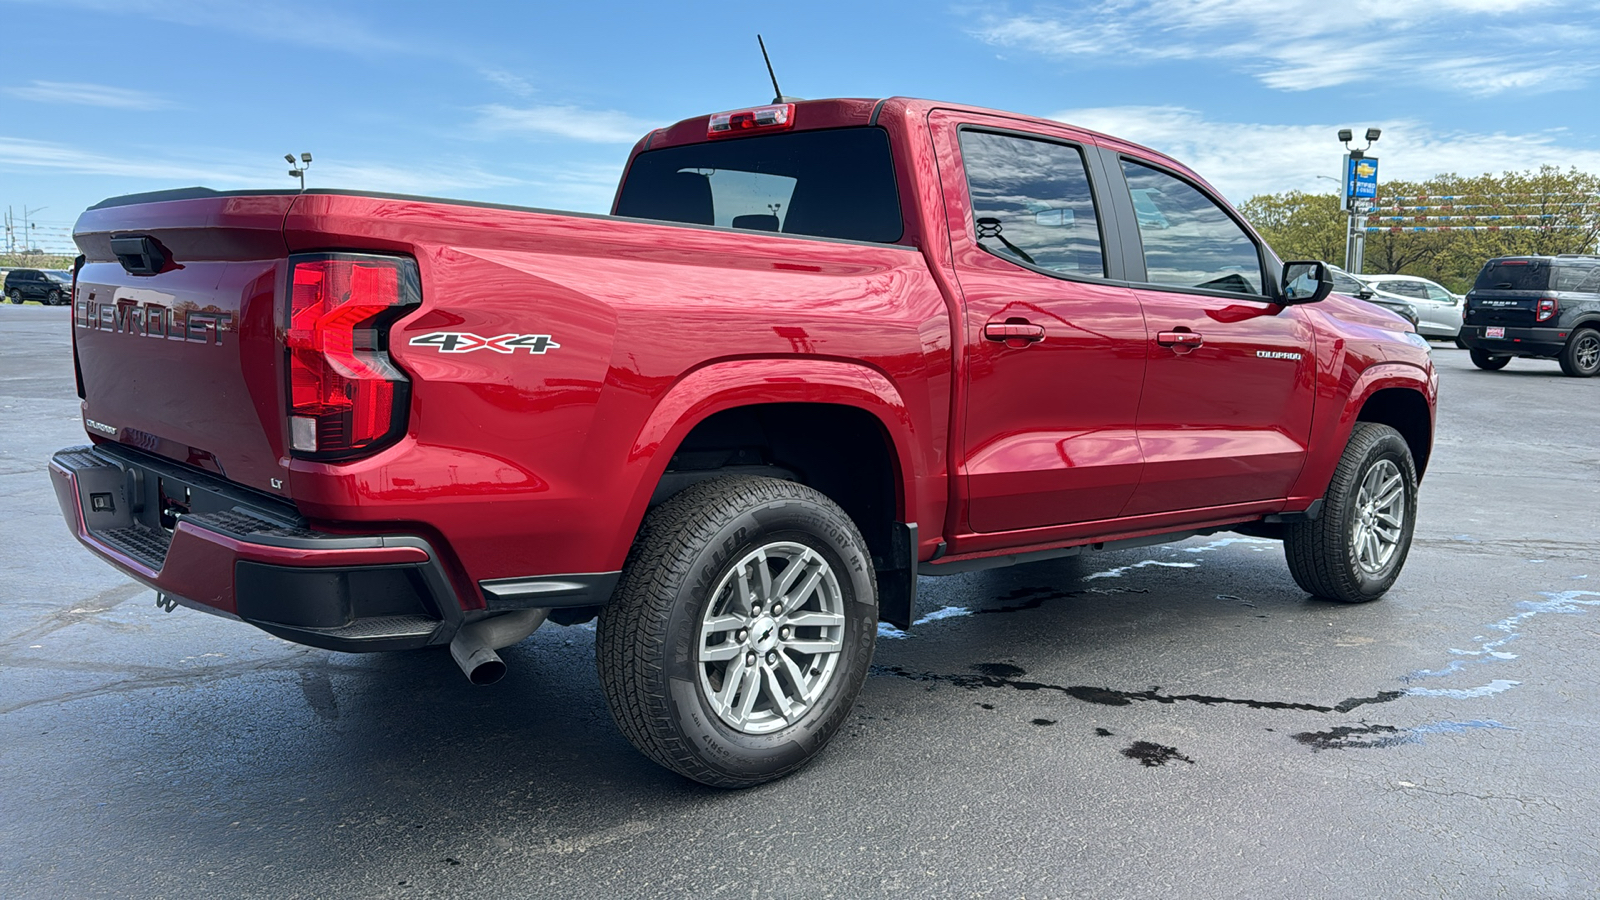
pixel 1406 411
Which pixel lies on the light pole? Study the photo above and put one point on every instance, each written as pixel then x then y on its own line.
pixel 27 227
pixel 300 170
pixel 1355 238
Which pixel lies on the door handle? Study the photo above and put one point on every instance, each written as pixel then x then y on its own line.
pixel 1185 339
pixel 1014 330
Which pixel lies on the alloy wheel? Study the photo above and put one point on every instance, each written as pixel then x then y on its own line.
pixel 770 638
pixel 1379 521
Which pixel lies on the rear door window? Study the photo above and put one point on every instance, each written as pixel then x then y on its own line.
pixel 1578 279
pixel 1189 241
pixel 1031 202
pixel 837 184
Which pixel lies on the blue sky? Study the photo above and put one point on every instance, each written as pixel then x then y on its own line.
pixel 537 103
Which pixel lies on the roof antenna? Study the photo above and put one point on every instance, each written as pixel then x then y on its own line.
pixel 777 92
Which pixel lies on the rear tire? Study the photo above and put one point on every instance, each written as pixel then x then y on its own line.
pixel 1487 361
pixel 1580 358
pixel 16 296
pixel 700 673
pixel 1354 551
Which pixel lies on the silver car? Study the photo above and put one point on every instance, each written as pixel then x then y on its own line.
pixel 1438 310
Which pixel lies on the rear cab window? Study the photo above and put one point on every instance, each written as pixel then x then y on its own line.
pixel 836 183
pixel 1031 203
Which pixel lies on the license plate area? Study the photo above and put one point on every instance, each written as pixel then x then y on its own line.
pixel 1495 331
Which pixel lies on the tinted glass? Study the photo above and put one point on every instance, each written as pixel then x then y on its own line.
pixel 1031 202
pixel 1514 275
pixel 837 184
pixel 1344 284
pixel 1188 240
pixel 1404 288
pixel 1583 279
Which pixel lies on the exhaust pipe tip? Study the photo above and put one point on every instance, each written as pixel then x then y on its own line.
pixel 474 645
pixel 488 672
pixel 481 665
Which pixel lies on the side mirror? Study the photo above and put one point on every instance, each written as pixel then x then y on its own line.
pixel 1305 281
pixel 1365 293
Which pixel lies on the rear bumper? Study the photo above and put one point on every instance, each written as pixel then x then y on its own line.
pixel 1517 342
pixel 245 556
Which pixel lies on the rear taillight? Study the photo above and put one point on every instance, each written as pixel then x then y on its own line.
pixel 1547 309
pixel 345 396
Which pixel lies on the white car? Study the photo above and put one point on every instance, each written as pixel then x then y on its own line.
pixel 1438 310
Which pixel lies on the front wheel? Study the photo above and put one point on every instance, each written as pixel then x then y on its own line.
pixel 1580 358
pixel 1353 552
pixel 54 299
pixel 741 632
pixel 1487 361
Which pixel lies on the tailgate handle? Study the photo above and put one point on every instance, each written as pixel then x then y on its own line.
pixel 140 254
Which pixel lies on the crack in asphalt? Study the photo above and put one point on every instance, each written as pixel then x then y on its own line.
pixel 172 678
pixel 77 612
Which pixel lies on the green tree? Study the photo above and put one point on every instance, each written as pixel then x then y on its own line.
pixel 1298 225
pixel 1543 211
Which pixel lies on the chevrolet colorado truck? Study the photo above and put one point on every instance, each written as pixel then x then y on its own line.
pixel 818 349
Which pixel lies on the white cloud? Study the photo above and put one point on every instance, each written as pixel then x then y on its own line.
pixel 24 154
pixel 228 170
pixel 87 95
pixel 311 25
pixel 1474 46
pixel 1242 159
pixel 507 81
pixel 571 122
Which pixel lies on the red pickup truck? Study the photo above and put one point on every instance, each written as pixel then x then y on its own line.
pixel 819 349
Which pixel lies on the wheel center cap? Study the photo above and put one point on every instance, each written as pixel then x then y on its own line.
pixel 764 634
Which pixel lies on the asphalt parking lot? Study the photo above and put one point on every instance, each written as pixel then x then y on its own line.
pixel 1172 721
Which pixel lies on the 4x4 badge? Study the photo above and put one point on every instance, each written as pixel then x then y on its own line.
pixel 466 342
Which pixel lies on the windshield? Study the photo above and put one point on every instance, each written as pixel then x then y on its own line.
pixel 57 275
pixel 837 184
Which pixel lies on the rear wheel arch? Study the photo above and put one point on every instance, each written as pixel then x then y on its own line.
pixel 713 407
pixel 845 452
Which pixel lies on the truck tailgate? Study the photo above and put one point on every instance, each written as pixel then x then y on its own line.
pixel 177 338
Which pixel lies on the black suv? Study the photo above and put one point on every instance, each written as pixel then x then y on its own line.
pixel 1538 307
pixel 48 287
